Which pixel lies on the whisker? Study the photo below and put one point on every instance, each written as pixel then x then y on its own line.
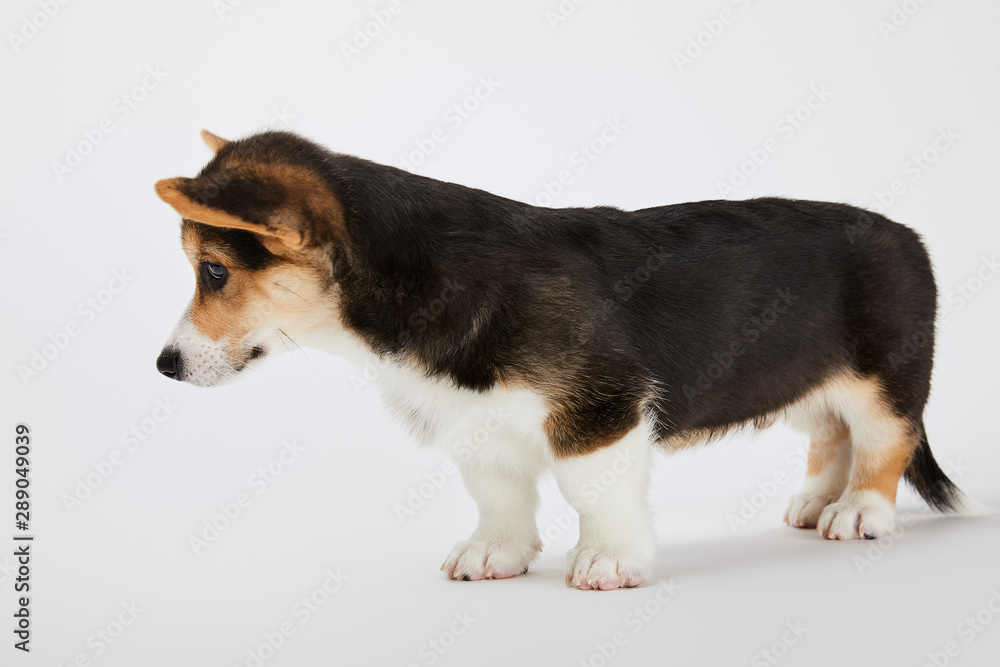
pixel 185 249
pixel 313 366
pixel 286 345
pixel 296 294
pixel 244 365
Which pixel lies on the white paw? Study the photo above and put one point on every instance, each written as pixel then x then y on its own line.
pixel 598 569
pixel 474 560
pixel 804 509
pixel 866 515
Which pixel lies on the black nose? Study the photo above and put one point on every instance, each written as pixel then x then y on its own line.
pixel 169 363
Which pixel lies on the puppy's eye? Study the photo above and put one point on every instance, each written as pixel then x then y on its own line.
pixel 216 271
pixel 214 274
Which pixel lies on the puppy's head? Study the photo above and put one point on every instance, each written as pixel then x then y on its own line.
pixel 259 225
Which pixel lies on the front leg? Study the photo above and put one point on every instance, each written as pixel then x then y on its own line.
pixel 506 539
pixel 608 489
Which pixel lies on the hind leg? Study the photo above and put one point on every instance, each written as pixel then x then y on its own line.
pixel 828 472
pixel 883 444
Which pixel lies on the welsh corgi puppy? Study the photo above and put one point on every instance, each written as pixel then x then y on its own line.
pixel 596 334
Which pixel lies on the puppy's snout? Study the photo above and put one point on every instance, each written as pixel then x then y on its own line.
pixel 169 363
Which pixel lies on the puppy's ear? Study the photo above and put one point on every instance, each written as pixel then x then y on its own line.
pixel 213 141
pixel 290 207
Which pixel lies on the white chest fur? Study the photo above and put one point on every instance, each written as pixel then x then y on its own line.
pixel 483 429
pixel 492 428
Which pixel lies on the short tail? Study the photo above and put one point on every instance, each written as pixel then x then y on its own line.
pixel 927 478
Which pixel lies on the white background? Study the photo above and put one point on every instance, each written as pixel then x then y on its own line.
pixel 556 84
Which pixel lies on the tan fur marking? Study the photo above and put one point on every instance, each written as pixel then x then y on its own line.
pixel 825 449
pixel 687 439
pixel 313 195
pixel 198 251
pixel 882 442
pixel 213 141
pixel 224 318
pixel 295 291
pixel 881 473
pixel 169 191
pixel 309 201
pixel 845 411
